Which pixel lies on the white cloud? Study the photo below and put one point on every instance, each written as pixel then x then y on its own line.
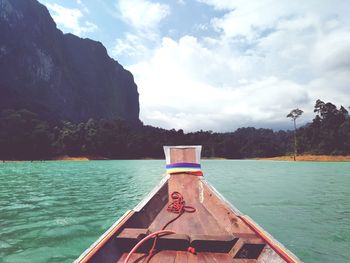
pixel 193 90
pixel 83 6
pixel 265 62
pixel 70 19
pixel 333 52
pixel 142 14
pixel 145 18
pixel 220 4
pixel 131 45
pixel 249 18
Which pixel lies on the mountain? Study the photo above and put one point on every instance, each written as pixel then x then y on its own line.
pixel 59 76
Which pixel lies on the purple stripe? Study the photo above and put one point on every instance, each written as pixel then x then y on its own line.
pixel 183 165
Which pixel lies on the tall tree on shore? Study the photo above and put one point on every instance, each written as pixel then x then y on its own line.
pixel 294 114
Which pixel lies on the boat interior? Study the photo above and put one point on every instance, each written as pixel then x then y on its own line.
pixel 215 232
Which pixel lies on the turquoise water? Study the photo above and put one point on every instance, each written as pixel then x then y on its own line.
pixel 52 211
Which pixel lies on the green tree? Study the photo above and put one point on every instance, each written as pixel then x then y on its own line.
pixel 331 137
pixel 24 136
pixel 294 114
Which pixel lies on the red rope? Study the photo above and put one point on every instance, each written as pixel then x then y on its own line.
pixel 155 234
pixel 177 206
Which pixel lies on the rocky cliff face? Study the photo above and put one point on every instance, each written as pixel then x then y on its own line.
pixel 59 76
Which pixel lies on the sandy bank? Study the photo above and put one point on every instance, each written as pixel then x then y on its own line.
pixel 61 158
pixel 68 158
pixel 79 158
pixel 309 157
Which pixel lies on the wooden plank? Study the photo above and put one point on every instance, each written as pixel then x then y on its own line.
pixel 211 243
pixel 191 258
pixel 245 261
pixel 164 257
pixel 181 257
pixel 135 258
pixel 182 155
pixel 132 232
pixel 227 218
pixel 216 257
pixel 199 222
pixel 201 258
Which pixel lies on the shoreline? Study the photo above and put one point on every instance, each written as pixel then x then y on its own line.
pixel 78 158
pixel 302 158
pixel 309 158
pixel 61 158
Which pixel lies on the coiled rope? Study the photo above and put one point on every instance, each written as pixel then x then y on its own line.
pixel 177 206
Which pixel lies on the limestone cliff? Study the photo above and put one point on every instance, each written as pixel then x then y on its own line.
pixel 59 76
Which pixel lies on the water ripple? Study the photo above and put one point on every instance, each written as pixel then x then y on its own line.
pixel 52 211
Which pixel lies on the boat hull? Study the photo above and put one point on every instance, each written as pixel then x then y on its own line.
pixel 209 229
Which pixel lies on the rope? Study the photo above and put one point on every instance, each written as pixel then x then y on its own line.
pixel 177 206
pixel 155 234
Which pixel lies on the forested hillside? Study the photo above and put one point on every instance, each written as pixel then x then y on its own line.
pixel 23 135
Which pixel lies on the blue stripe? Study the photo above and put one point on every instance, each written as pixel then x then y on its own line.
pixel 183 165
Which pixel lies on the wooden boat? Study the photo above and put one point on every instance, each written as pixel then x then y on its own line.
pixel 184 219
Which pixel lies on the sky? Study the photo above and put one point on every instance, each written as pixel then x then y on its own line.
pixel 221 64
